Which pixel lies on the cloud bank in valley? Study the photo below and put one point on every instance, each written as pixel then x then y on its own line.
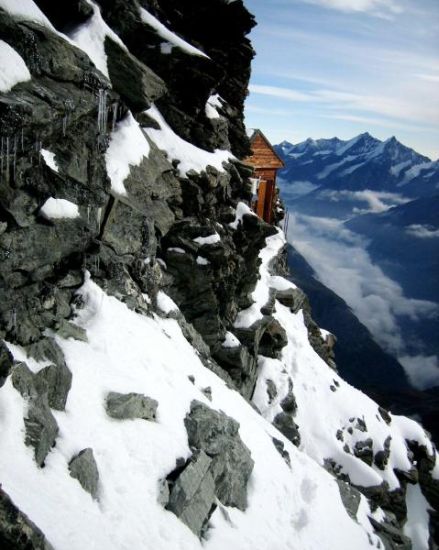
pixel 376 201
pixel 340 261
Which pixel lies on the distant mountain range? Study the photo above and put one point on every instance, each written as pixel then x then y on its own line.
pixel 366 212
pixel 363 162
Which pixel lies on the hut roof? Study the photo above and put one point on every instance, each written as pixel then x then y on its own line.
pixel 264 156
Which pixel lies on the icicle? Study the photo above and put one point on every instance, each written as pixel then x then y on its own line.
pixel 14 319
pixel 64 124
pixel 2 155
pixel 102 112
pixel 88 214
pixel 22 140
pixel 15 156
pixel 7 158
pixel 114 118
pixel 99 212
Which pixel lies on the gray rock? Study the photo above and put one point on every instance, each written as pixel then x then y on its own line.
pixel 130 405
pixel 17 531
pixel 280 447
pixel 364 451
pixel 288 403
pixel 218 469
pixel 217 435
pixel 192 496
pixel 58 381
pixel 46 349
pixel 294 298
pixel 6 361
pixel 382 457
pixel 350 497
pixel 41 428
pixel 136 83
pixel 83 467
pixel 25 382
pixel 285 424
pixel 241 366
pixel 391 535
pixel 67 330
pixel 273 339
pixel 271 390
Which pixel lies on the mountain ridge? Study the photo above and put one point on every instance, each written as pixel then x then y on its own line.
pixel 361 162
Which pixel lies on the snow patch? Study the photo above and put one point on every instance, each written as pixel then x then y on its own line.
pixel 247 317
pixel 190 157
pixel 13 69
pixel 57 209
pixel 418 518
pixel 231 341
pixel 128 147
pixel 202 261
pixel 173 39
pixel 90 38
pixel 211 239
pixel 26 9
pixel 213 103
pixel 49 159
pixel 241 210
pixel 165 303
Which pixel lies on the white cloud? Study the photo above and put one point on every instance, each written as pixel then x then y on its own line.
pixel 267 111
pixel 429 77
pixel 422 231
pixel 275 91
pixel 393 107
pixel 376 7
pixel 370 121
pixel 423 371
pixel 377 201
pixel 340 261
pixel 293 189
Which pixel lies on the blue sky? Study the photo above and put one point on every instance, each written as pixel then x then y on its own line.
pixel 329 68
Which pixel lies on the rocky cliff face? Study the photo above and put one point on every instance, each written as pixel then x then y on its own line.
pixel 138 292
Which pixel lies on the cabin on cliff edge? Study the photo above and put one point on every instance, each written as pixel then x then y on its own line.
pixel 266 163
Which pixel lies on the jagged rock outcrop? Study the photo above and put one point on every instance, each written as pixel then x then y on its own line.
pixel 219 469
pixel 17 532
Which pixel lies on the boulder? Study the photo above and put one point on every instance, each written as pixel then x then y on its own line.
pixel 192 496
pixel 280 448
pixel 219 469
pixel 41 428
pixel 217 435
pixel 350 497
pixel 130 405
pixel 83 467
pixel 58 381
pixel 273 339
pixel 285 424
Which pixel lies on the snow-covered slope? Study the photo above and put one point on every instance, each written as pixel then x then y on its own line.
pixel 291 504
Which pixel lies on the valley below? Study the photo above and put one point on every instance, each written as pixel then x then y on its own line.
pixel 364 223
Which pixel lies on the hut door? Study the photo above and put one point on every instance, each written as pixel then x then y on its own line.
pixel 261 198
pixel 269 196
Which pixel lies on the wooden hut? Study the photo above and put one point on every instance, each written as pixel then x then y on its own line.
pixel 266 163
